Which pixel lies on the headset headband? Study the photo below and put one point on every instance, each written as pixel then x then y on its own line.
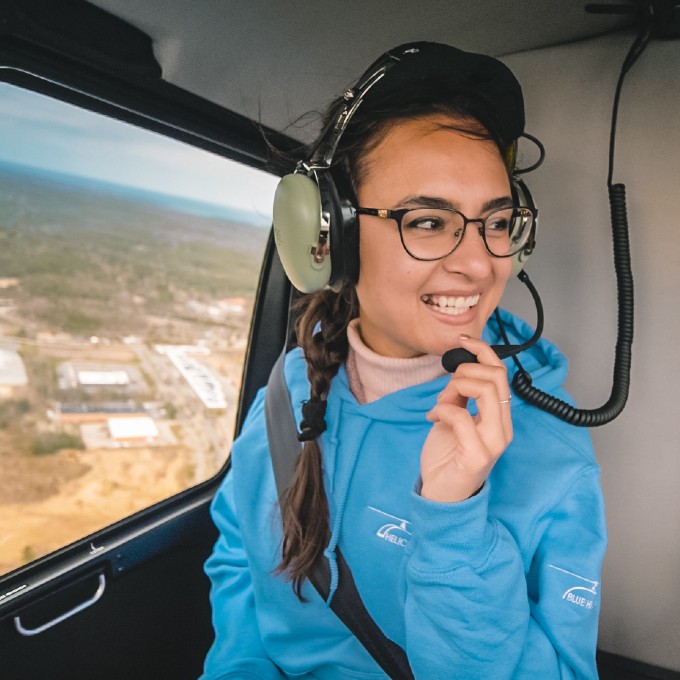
pixel 322 155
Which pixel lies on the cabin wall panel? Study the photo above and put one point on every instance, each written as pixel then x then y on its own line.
pixel 569 92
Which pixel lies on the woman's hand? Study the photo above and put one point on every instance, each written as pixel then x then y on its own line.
pixel 461 450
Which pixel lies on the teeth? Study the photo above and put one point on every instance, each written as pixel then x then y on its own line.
pixel 452 305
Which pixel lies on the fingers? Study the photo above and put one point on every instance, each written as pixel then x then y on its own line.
pixel 481 349
pixel 490 369
pixel 455 459
pixel 465 432
pixel 489 387
pixel 493 422
pixel 487 357
pixel 460 449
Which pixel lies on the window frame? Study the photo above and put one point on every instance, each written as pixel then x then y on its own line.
pixel 165 109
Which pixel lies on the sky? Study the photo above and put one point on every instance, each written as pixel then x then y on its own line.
pixel 45 133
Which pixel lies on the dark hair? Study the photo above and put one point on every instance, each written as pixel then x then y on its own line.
pixel 322 333
pixel 324 315
pixel 373 120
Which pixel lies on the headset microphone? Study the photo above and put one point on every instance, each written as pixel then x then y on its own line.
pixel 452 359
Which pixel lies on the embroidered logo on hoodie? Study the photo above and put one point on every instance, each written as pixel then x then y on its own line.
pixel 581 591
pixel 393 531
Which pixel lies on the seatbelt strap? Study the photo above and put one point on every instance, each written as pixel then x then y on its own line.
pixel 284 449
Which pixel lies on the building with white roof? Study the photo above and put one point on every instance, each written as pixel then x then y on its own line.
pixel 12 373
pixel 133 430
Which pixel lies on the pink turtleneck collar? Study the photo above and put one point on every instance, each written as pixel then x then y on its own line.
pixel 372 375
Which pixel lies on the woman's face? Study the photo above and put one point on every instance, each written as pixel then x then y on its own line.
pixel 401 299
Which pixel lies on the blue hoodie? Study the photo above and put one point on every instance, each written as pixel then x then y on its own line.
pixel 503 585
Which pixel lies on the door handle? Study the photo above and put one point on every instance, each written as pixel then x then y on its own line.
pixel 62 617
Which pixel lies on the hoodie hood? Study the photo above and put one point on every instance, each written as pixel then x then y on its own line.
pixel 544 361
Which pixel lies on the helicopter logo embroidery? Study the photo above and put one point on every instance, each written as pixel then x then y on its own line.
pixel 394 531
pixel 581 595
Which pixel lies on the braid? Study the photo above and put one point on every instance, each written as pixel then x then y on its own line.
pixel 304 506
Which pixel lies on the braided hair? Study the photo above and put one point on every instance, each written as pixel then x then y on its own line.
pixel 322 333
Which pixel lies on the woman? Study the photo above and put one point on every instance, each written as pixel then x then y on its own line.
pixel 472 522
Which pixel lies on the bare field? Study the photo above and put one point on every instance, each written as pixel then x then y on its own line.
pixel 47 503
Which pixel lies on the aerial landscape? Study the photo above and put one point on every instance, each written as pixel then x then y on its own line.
pixel 124 318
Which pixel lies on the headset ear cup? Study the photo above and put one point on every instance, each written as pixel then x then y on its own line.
pixel 297 222
pixel 344 232
pixel 522 197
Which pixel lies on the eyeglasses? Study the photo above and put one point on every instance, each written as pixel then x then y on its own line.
pixel 434 233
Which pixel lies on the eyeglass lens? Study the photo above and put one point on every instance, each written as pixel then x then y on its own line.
pixel 430 233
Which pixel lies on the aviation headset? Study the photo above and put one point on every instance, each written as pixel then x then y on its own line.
pixel 316 228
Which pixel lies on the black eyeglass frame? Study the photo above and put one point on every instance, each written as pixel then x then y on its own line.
pixel 398 216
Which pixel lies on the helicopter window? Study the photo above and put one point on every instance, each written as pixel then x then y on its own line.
pixel 128 270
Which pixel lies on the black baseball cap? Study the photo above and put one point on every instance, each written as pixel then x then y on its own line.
pixel 482 78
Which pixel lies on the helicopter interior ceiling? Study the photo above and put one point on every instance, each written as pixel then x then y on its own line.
pixel 274 62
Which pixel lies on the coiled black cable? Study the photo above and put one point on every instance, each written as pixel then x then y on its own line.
pixel 521 382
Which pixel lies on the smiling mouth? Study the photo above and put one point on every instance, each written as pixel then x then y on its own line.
pixel 450 305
